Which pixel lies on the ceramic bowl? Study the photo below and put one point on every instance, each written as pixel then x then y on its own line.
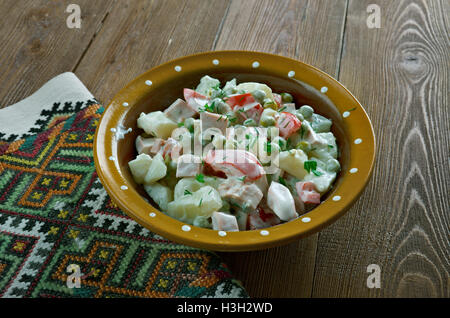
pixel 157 88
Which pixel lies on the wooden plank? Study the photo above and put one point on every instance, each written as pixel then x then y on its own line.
pixel 37 44
pixel 287 28
pixel 139 35
pixel 400 73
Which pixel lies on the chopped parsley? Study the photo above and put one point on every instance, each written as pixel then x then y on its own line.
pixel 317 173
pixel 311 166
pixel 242 178
pixel 180 124
pixel 200 178
pixel 187 192
pixel 200 203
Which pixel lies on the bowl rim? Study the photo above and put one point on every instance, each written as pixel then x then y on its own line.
pixel 132 203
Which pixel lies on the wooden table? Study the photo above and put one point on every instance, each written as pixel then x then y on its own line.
pixel 399 72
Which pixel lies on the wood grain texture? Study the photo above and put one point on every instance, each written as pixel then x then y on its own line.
pixel 37 44
pixel 287 28
pixel 400 73
pixel 138 35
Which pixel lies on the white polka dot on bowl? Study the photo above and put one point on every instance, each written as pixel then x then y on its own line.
pixel 358 141
pixel 148 83
pixel 291 74
pixel 324 89
pixel 353 170
pixel 222 233
pixel 186 228
pixel 178 68
pixel 152 215
pixel 124 187
pixel 215 62
pixel 306 219
pixel 125 104
pixel 255 64
pixel 113 129
pixel 336 198
pixel 112 158
pixel 345 114
pixel 264 232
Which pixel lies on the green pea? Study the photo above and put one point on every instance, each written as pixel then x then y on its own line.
pixel 267 121
pixel 306 111
pixel 333 165
pixel 287 98
pixel 259 95
pixel 221 107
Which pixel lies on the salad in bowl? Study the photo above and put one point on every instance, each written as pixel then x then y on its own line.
pixel 235 157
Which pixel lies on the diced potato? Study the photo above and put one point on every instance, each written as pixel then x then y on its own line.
pixel 186 186
pixel 206 85
pixel 139 167
pixel 157 124
pixel 161 194
pixel 328 149
pixel 292 161
pixel 323 182
pixel 192 185
pixel 230 87
pixel 202 202
pixel 320 124
pixel 157 170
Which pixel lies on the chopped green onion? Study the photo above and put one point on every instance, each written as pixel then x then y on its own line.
pixel 187 192
pixel 282 181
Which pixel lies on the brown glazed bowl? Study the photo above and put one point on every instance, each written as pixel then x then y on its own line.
pixel 157 88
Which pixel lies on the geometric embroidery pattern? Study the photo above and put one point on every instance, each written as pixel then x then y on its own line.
pixel 54 213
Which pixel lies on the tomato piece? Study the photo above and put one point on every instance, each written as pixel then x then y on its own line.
pixel 237 163
pixel 194 100
pixel 240 100
pixel 307 192
pixel 245 106
pixel 288 124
